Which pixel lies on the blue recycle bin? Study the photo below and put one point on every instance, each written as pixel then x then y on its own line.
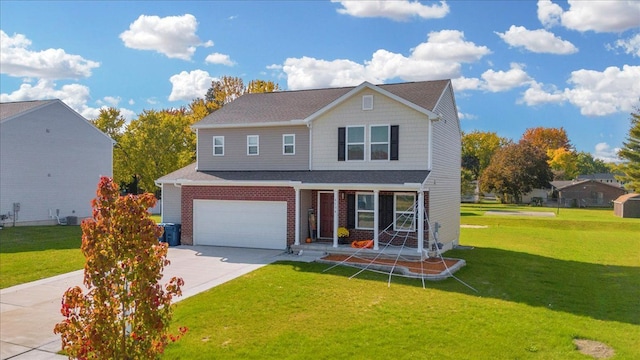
pixel 172 233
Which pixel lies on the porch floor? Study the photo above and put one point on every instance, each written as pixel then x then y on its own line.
pixel 409 264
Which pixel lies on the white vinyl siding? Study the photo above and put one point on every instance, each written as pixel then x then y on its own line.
pixel 413 134
pixel 364 211
pixel 444 181
pixel 218 146
pixel 253 145
pixel 379 140
pixel 289 144
pixel 171 204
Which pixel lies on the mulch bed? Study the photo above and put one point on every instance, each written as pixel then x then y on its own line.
pixel 429 266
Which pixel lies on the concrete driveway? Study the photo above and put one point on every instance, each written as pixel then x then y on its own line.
pixel 28 312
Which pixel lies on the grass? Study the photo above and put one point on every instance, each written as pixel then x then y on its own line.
pixel 541 283
pixel 29 253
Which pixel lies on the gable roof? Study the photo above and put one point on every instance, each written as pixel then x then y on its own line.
pixel 11 109
pixel 627 197
pixel 563 185
pixel 297 107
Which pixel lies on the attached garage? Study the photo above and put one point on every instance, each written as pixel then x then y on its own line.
pixel 240 223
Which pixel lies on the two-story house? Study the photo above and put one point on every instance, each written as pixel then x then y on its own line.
pixel 275 168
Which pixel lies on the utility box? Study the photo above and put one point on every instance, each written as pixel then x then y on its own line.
pixel 72 220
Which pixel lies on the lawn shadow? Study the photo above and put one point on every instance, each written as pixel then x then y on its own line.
pixel 468 214
pixel 603 292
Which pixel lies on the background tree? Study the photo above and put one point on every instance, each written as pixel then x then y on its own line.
pixel 547 138
pixel 516 169
pixel 230 88
pixel 157 143
pixel 477 149
pixel 563 163
pixel 110 122
pixel 631 153
pixel 125 313
pixel 586 164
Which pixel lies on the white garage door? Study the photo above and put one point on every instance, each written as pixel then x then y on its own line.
pixel 252 224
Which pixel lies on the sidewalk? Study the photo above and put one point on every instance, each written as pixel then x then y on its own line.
pixel 28 312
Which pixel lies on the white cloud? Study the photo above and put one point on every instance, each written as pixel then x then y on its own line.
pixel 75 96
pixel 598 16
pixel 173 36
pixel 497 81
pixel 217 58
pixel 595 93
pixel 630 46
pixel 190 85
pixel 604 152
pixel 19 61
pixel 439 57
pixel 399 10
pixel 537 41
pixel 462 83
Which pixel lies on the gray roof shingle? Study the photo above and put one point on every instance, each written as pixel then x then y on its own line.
pixel 298 105
pixel 10 109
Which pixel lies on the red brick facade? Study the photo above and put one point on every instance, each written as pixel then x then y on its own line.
pixel 264 193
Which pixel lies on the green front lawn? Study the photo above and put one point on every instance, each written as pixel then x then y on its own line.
pixel 29 253
pixel 541 283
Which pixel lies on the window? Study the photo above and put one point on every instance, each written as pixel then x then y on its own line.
pixel 404 212
pixel 379 142
pixel 289 144
pixel 364 211
pixel 355 143
pixel 367 102
pixel 218 146
pixel 253 143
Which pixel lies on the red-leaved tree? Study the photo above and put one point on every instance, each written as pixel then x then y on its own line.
pixel 125 312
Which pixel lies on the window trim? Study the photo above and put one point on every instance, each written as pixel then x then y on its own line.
pixel 388 142
pixel 284 144
pixel 257 145
pixel 218 146
pixel 358 211
pixel 397 212
pixel 363 143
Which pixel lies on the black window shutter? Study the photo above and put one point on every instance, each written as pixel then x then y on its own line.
pixel 395 130
pixel 385 216
pixel 351 211
pixel 341 143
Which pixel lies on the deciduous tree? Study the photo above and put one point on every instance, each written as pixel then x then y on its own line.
pixel 477 149
pixel 547 138
pixel 563 163
pixel 586 164
pixel 516 169
pixel 125 312
pixel 630 152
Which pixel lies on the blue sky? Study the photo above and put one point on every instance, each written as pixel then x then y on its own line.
pixel 514 64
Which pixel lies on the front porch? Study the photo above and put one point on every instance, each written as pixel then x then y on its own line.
pixel 325 248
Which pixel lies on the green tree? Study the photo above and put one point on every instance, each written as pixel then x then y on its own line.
pixel 477 149
pixel 630 152
pixel 516 169
pixel 586 164
pixel 110 122
pixel 155 144
pixel 125 313
pixel 229 88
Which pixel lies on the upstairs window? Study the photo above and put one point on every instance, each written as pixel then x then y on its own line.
pixel 253 144
pixel 379 142
pixel 218 146
pixel 355 143
pixel 289 144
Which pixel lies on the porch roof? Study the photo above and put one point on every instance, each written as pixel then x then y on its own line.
pixel 189 174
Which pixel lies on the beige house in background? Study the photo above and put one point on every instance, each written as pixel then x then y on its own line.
pixel 51 159
pixel 275 168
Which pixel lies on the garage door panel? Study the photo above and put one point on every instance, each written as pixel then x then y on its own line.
pixel 254 224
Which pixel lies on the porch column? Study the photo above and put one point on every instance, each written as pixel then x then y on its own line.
pixel 376 225
pixel 297 217
pixel 420 223
pixel 335 217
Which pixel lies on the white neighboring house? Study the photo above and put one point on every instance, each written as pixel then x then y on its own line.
pixel 51 159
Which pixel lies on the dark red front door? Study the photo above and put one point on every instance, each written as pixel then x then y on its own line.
pixel 326 215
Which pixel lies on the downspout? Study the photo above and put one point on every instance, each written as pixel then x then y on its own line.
pixel 310 126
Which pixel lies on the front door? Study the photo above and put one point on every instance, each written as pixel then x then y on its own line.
pixel 326 215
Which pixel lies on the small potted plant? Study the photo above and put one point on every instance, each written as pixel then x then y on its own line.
pixel 343 234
